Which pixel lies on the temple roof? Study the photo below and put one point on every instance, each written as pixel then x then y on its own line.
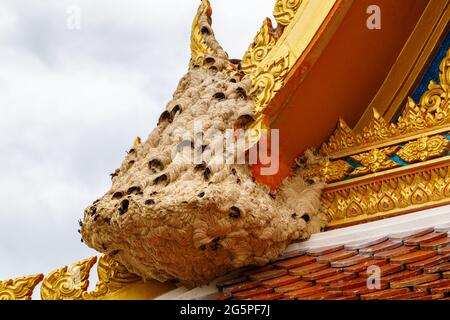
pixel 411 255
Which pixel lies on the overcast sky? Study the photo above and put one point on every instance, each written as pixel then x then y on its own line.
pixel 73 100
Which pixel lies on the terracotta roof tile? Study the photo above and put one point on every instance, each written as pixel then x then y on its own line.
pixel 430 297
pixel 346 298
pixel 321 274
pixel 445 250
pixel 324 296
pixel 400 275
pixel 410 295
pixel 410 234
pixel 395 252
pixel 336 278
pixel 269 296
pixel 358 245
pixel 444 289
pixel 436 260
pixel 342 272
pixel 345 285
pixel 266 275
pixel 350 261
pixel 310 268
pixel 425 238
pixel 218 296
pixel 432 284
pixel 415 280
pixel 231 282
pixel 413 257
pixel 292 254
pixel 324 250
pixel 436 244
pixel 251 293
pixel 363 266
pixel 304 292
pixel 438 268
pixel 299 285
pixel 258 270
pixel 385 270
pixel 338 255
pixel 383 294
pixel 281 281
pixel 363 290
pixel 383 246
pixel 295 262
pixel 242 286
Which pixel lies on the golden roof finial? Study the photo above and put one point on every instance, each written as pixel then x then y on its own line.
pixel 199 47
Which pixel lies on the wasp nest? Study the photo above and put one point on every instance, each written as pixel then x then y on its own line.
pixel 168 219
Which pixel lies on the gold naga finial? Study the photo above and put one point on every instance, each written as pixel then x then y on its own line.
pixel 199 47
pixel 19 289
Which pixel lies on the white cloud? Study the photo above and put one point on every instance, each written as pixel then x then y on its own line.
pixel 72 102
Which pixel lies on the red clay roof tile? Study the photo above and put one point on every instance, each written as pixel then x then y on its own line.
pixel 410 234
pixel 363 266
pixel 383 246
pixel 415 280
pixel 413 257
pixel 252 292
pixel 266 275
pixel 436 260
pixel 436 244
pixel 299 285
pixel 336 278
pixel 446 275
pixel 364 290
pixel 295 262
pixel 445 250
pixel 425 238
pixel 433 284
pixel 350 261
pixel 304 292
pixel 338 255
pixel 324 250
pixel 430 297
pixel 383 294
pixel 385 270
pixel 410 295
pixel 438 268
pixel 292 254
pixel 320 274
pixel 445 289
pixel 345 285
pixel 324 296
pixel 269 296
pixel 394 252
pixel 362 244
pixel 310 268
pixel 241 286
pixel 218 296
pixel 400 275
pixel 281 281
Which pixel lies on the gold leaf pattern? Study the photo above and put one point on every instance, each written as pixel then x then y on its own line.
pixel 329 171
pixel 424 149
pixel 285 10
pixel 20 288
pixel 375 160
pixel 269 80
pixel 386 196
pixel 68 283
pixel 264 41
pixel 199 47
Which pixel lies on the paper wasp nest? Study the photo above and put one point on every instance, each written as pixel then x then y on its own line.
pixel 168 219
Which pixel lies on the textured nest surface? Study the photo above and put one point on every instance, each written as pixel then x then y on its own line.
pixel 165 219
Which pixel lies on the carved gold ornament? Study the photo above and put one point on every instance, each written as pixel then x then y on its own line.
pixel 424 148
pixel 199 47
pixel 285 10
pixel 329 171
pixel 264 42
pixel 268 81
pixel 388 196
pixel 68 283
pixel 374 161
pixel 19 289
